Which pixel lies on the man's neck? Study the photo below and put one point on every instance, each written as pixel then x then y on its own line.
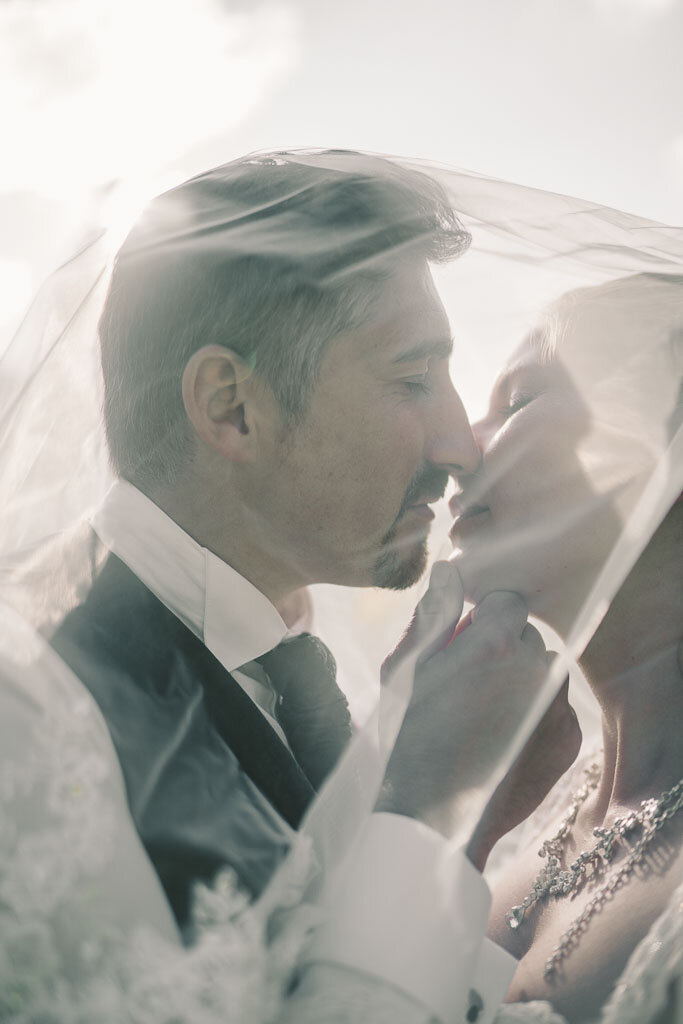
pixel 220 524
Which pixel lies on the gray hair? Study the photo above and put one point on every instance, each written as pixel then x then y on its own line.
pixel 272 257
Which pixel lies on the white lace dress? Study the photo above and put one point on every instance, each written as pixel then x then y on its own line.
pixel 86 935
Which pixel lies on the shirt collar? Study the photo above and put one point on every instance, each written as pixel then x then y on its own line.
pixel 234 620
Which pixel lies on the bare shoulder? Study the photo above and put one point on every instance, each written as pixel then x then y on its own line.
pixel 511 886
pixel 587 974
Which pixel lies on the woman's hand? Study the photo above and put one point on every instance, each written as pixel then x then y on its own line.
pixel 468 699
pixel 548 753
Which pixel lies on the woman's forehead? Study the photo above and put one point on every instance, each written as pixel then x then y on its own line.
pixel 532 350
pixel 604 327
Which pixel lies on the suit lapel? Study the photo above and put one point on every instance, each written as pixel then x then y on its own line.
pixel 259 750
pixel 145 638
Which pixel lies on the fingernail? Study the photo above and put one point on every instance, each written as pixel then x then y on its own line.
pixel 440 575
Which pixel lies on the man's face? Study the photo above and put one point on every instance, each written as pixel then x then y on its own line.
pixel 343 496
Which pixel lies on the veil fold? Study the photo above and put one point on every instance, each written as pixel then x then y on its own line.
pixel 514 256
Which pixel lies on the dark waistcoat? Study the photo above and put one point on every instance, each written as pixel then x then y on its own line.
pixel 209 782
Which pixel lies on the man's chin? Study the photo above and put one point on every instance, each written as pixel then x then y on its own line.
pixel 400 568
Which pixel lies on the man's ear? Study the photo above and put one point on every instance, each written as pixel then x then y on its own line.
pixel 217 395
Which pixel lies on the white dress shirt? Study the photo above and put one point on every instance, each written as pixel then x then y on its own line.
pixel 406 910
pixel 228 614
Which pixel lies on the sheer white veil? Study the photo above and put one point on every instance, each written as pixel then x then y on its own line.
pixel 507 259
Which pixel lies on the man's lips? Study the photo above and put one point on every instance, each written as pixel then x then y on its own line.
pixel 421 510
pixel 422 507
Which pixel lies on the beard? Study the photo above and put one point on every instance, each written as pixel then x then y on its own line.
pixel 403 560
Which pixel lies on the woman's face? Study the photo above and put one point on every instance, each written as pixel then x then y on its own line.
pixel 530 521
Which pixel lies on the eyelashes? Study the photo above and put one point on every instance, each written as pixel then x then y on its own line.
pixel 417 385
pixel 519 401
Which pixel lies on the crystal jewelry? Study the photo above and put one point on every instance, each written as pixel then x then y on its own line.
pixel 553 881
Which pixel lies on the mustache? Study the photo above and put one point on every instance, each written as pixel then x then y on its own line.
pixel 428 485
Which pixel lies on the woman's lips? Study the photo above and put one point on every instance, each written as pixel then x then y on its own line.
pixel 469 521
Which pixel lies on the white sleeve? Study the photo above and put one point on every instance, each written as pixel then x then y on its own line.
pixel 408 910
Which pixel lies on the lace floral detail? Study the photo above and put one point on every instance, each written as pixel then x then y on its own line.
pixel 66 786
pixel 87 935
pixel 144 980
pixel 350 997
pixel 655 968
pixel 528 1013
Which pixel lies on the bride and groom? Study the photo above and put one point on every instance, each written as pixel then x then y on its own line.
pixel 279 409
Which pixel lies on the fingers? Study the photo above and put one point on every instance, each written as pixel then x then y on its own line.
pixel 498 623
pixel 502 609
pixel 500 639
pixel 435 615
pixel 465 621
pixel 533 640
pixel 437 611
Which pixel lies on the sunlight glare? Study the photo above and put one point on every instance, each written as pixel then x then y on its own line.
pixel 92 90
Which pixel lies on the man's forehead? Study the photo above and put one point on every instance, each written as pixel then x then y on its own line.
pixel 404 322
pixel 408 335
pixel 409 322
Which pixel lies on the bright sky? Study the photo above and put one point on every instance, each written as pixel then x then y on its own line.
pixel 582 97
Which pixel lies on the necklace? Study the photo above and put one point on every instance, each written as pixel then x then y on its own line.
pixel 552 880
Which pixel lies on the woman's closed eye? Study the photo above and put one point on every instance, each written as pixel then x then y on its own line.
pixel 518 400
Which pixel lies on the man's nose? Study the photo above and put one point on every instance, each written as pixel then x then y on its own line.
pixel 452 444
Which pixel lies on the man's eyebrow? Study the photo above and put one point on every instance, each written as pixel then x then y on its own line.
pixel 440 348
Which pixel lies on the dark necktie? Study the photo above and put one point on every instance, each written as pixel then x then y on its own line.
pixel 311 708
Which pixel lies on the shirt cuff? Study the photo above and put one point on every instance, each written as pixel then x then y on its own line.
pixel 492 976
pixel 408 909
